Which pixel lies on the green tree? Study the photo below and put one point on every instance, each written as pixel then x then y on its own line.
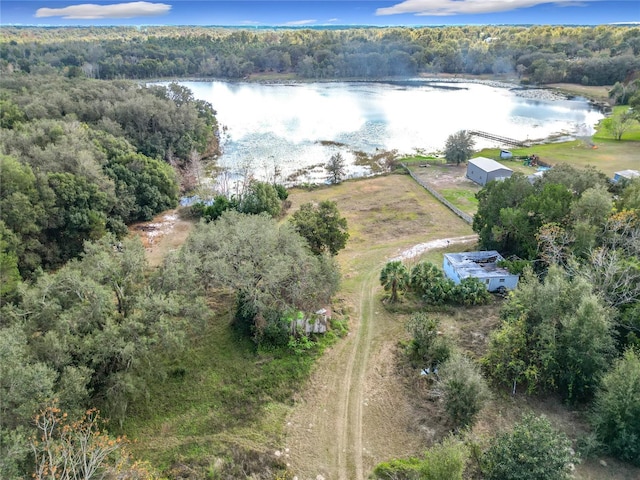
pixel 96 326
pixel 496 216
pixel 144 186
pixel 586 348
pixel 394 278
pixel 9 273
pixel 618 125
pixel 25 383
pixel 556 335
pixel 79 215
pixel 630 197
pixel 464 390
pixel 336 167
pixel 260 197
pixel 322 226
pixel 269 266
pixel 594 206
pixel 616 409
pixel 25 203
pixel 459 147
pixel 212 212
pixel 534 449
pixel 575 179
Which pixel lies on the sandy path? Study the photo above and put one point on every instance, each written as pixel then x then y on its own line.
pixel 325 434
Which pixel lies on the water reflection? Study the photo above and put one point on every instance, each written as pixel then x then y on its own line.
pixel 285 124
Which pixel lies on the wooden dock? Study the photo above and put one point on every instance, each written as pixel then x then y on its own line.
pixel 500 139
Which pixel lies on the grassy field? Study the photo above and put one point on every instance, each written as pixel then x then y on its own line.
pixel 631 134
pixel 599 93
pixel 606 155
pixel 223 402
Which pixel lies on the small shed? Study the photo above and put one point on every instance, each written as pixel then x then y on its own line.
pixel 625 175
pixel 305 324
pixel 482 265
pixel 482 170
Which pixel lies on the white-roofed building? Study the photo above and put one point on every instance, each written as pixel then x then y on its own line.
pixel 625 175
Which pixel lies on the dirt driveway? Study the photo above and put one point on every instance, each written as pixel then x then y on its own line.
pixel 351 416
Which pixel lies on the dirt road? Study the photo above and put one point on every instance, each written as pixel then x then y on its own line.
pixel 351 416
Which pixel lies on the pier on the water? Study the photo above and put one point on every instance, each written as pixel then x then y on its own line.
pixel 498 138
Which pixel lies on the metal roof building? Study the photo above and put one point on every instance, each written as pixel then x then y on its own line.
pixel 482 265
pixel 482 170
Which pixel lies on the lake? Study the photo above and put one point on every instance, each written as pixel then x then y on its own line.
pixel 298 126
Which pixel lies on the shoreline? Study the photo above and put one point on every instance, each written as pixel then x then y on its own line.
pixel 532 91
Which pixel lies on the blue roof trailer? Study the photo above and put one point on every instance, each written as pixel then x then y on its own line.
pixel 481 265
pixel 625 175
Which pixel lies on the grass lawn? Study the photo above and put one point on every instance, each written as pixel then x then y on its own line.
pixel 462 198
pixel 606 155
pixel 631 134
pixel 602 152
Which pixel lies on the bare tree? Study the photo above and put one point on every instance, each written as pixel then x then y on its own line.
pixel 613 276
pixel 71 451
pixel 554 244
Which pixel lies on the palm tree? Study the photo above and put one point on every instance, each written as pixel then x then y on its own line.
pixel 423 276
pixel 394 277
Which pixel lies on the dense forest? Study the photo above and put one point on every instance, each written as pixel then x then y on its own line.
pixel 83 157
pixel 600 55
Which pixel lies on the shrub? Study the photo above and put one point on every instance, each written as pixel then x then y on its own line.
pixel 282 191
pixel 440 292
pixel 470 291
pixel 532 450
pixel 464 388
pixel 427 347
pixel 444 461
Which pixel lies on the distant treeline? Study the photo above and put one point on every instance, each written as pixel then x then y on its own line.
pixel 600 55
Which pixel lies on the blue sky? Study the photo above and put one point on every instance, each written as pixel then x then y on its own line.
pixel 318 12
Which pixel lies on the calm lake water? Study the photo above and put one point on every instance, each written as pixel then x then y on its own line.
pixel 298 126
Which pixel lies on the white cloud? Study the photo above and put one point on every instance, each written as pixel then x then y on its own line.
pixel 468 7
pixel 90 11
pixel 301 22
pixel 333 20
